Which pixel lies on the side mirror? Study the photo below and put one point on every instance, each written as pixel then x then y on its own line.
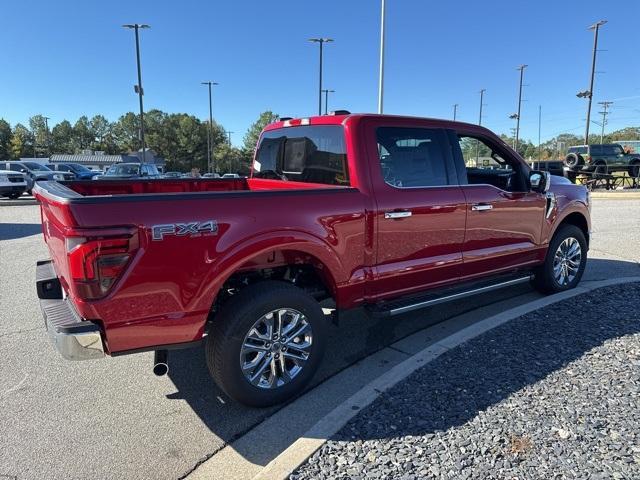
pixel 539 181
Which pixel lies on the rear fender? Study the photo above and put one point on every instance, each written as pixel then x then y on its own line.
pixel 235 257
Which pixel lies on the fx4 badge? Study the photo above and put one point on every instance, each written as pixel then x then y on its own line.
pixel 158 232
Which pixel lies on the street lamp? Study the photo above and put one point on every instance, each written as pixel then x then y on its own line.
pixel 381 67
pixel 521 68
pixel 455 111
pixel 210 129
pixel 138 88
pixel 589 93
pixel 321 41
pixel 326 99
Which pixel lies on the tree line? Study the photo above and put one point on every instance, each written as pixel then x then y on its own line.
pixel 180 138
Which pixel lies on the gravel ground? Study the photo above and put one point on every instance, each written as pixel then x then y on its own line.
pixel 552 394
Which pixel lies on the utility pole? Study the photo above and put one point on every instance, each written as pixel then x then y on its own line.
pixel 321 41
pixel 138 88
pixel 326 99
pixel 589 93
pixel 210 163
pixel 604 113
pixel 381 67
pixel 482 90
pixel 455 111
pixel 521 68
pixel 229 132
pixel 481 104
pixel 539 130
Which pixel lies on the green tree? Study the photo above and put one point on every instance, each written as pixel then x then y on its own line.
pixel 229 159
pixel 40 133
pixel 5 139
pixel 101 129
pixel 83 135
pixel 21 144
pixel 125 132
pixel 62 138
pixel 253 133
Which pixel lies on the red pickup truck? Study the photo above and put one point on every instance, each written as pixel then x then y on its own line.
pixel 384 213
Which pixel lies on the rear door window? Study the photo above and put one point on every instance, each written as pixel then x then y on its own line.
pixel 411 157
pixel 312 154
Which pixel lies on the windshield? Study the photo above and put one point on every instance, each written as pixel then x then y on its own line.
pixel 76 167
pixel 313 154
pixel 35 166
pixel 124 170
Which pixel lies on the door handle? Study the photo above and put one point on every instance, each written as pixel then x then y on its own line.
pixel 400 214
pixel 480 207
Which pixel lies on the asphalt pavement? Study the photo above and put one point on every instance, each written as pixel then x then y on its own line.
pixel 113 419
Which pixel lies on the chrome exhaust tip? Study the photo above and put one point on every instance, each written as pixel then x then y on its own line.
pixel 160 365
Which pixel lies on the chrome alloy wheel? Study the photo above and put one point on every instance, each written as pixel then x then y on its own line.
pixel 276 348
pixel 566 261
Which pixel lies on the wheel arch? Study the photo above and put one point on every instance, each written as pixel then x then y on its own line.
pixel 271 256
pixel 577 219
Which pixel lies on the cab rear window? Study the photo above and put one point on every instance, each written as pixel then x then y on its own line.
pixel 312 154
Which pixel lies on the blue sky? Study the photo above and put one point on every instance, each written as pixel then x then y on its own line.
pixel 64 59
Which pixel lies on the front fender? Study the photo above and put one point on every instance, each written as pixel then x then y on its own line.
pixel 570 200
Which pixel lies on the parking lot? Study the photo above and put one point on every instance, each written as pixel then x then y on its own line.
pixel 113 419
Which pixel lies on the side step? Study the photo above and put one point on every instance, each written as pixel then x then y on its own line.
pixel 408 304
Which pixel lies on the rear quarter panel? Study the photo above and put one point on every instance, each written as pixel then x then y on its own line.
pixel 167 291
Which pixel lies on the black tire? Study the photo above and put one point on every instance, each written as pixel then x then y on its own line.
pixel 601 170
pixel 545 280
pixel 13 196
pixel 573 160
pixel 634 169
pixel 234 321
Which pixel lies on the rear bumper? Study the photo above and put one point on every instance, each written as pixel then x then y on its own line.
pixel 73 337
pixel 8 189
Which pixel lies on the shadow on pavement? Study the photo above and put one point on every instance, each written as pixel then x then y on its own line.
pixel 11 231
pixel 355 338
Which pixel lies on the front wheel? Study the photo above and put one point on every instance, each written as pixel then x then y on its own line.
pixel 565 261
pixel 266 343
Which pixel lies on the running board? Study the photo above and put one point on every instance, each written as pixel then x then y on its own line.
pixel 400 306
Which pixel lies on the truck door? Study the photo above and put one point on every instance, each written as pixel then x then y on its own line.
pixel 504 217
pixel 420 214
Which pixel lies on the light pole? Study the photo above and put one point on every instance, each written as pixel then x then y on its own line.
pixel 210 164
pixel 482 90
pixel 604 113
pixel 321 41
pixel 326 99
pixel 539 131
pixel 381 68
pixel 589 93
pixel 521 68
pixel 455 111
pixel 138 88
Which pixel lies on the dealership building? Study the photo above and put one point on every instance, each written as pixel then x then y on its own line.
pixel 96 160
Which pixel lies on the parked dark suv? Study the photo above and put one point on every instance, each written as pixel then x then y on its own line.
pixel 79 171
pixel 600 159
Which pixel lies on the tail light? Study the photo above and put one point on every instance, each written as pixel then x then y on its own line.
pixel 98 258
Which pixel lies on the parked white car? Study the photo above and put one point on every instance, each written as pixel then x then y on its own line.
pixel 12 184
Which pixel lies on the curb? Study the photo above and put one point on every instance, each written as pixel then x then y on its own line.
pixel 18 202
pixel 618 195
pixel 285 463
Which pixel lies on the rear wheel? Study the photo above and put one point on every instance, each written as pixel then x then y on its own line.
pixel 634 169
pixel 267 342
pixel 565 261
pixel 13 196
